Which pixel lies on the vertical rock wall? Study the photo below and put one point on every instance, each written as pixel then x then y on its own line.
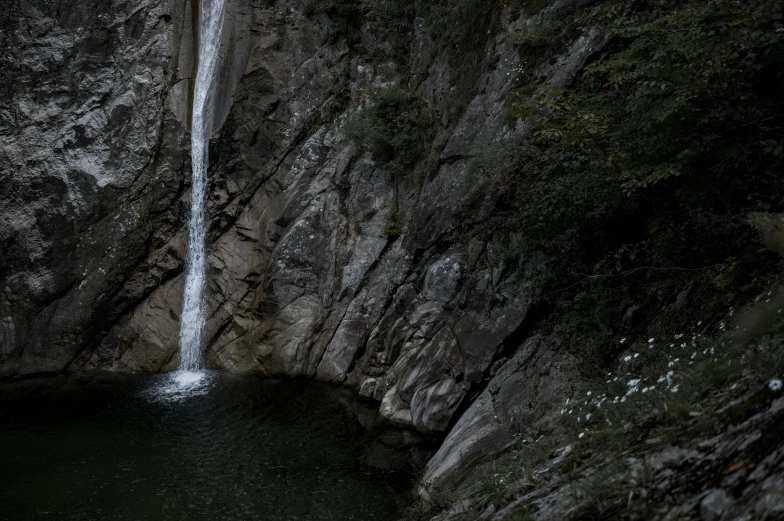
pixel 94 103
pixel 307 275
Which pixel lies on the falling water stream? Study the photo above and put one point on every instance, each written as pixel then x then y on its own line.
pixel 193 310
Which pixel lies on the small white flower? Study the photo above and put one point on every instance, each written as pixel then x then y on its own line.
pixel 636 355
pixel 650 340
pixel 627 358
pixel 674 389
pixel 623 340
pixel 775 384
pixel 588 393
pixel 581 435
pixel 588 417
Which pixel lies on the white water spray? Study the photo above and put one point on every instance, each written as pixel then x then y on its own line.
pixel 193 308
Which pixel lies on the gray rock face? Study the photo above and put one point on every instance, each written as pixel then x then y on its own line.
pixel 94 104
pixel 734 475
pixel 307 277
pixel 715 504
pixel 524 396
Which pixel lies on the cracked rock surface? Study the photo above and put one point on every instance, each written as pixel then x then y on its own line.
pixel 307 275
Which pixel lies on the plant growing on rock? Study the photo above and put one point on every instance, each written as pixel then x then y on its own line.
pixel 346 16
pixel 396 127
pixel 638 180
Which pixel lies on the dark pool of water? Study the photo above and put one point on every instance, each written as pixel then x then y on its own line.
pixel 133 447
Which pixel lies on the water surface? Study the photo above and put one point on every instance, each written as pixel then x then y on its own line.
pixel 221 447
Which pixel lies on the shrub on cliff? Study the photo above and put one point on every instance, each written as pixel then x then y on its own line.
pixel 346 16
pixel 396 126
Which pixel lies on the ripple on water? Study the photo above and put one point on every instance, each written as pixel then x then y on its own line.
pixel 201 446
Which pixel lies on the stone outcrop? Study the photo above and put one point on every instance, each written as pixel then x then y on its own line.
pixel 524 397
pixel 735 475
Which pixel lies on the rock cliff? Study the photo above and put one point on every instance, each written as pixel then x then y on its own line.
pixel 95 103
pixel 324 261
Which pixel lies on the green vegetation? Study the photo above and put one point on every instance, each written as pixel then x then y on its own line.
pixel 396 126
pixel 538 47
pixel 393 228
pixel 462 28
pixel 346 16
pixel 640 178
pixel 666 391
pixel 535 37
pixel 459 27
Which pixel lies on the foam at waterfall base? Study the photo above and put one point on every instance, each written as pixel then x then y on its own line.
pixel 188 378
pixel 180 385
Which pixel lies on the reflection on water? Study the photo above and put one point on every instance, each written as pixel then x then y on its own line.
pixel 185 447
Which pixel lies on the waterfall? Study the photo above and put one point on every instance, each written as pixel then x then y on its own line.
pixel 194 305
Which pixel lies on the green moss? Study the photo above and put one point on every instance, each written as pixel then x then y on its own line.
pixel 393 228
pixel 532 37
